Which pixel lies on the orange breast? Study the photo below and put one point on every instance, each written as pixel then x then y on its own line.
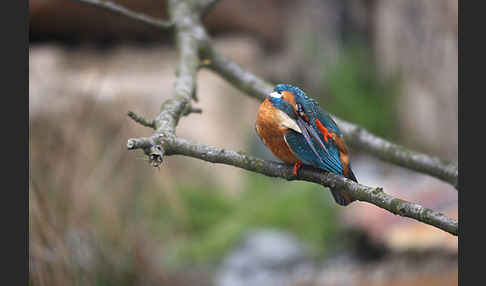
pixel 272 134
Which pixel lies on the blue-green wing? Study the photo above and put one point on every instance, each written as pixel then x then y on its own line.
pixel 298 145
pixel 326 120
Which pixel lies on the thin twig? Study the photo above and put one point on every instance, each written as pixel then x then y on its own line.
pixel 116 8
pixel 141 120
pixel 192 110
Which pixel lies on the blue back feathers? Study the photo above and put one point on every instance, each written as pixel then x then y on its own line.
pixel 297 142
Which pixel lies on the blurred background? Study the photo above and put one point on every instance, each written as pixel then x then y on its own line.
pixel 100 215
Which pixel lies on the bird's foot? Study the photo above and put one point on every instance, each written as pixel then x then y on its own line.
pixel 297 167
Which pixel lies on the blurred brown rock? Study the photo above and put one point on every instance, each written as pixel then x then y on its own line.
pixel 398 269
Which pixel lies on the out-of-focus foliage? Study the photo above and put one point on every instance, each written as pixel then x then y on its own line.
pixel 212 221
pixel 346 80
pixel 357 92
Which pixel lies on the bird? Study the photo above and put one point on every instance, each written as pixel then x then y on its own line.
pixel 298 131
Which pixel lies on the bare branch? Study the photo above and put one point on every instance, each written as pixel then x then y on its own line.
pixel 178 146
pixel 399 155
pixel 188 38
pixel 113 7
pixel 376 196
pixel 192 110
pixel 240 78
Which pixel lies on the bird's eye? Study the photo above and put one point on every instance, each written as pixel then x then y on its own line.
pixel 275 94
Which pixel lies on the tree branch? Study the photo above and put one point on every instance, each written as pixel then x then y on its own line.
pixel 118 9
pixel 359 192
pixel 189 34
pixel 243 80
pixel 362 139
pixel 191 41
pixel 177 146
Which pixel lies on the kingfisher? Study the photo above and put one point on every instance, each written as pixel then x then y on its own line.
pixel 298 131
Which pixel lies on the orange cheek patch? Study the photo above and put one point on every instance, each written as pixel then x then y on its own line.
pixel 290 98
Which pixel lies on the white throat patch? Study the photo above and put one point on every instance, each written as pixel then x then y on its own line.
pixel 275 94
pixel 286 121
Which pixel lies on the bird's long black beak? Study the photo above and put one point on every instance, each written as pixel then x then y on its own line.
pixel 306 128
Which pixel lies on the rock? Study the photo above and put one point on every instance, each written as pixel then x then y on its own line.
pixel 265 257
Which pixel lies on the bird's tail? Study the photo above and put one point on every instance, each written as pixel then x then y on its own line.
pixel 339 196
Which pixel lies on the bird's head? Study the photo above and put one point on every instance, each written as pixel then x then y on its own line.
pixel 293 101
